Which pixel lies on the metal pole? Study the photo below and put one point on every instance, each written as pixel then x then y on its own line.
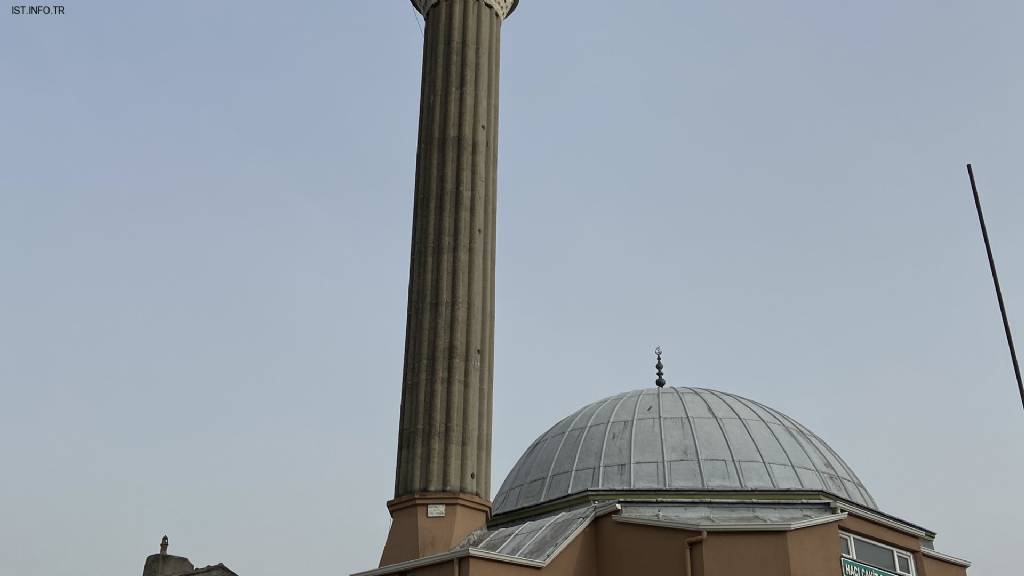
pixel 995 280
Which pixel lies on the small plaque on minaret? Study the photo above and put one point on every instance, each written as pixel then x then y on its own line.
pixel 435 511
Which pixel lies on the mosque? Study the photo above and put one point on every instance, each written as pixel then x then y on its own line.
pixel 653 481
pixel 656 481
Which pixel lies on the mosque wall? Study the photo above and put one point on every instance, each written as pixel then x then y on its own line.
pixel 814 550
pixel 878 532
pixel 609 547
pixel 636 549
pixel 580 557
pixel 934 567
pixel 744 553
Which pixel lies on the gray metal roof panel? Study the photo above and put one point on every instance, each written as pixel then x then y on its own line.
pixel 679 439
pixel 536 539
pixel 726 515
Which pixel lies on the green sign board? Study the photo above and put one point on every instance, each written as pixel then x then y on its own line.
pixel 852 568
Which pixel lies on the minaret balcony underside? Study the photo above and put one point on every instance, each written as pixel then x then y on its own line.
pixel 503 7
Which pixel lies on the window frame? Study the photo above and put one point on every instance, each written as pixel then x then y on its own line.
pixel 896 553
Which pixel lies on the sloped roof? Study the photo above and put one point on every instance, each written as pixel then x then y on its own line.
pixel 540 539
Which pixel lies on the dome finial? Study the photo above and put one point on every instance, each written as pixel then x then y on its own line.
pixel 660 382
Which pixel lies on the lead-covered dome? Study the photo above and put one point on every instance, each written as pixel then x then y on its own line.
pixel 676 439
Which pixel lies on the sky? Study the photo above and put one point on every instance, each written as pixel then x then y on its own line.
pixel 205 217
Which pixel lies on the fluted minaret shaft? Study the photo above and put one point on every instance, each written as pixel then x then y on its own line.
pixel 444 440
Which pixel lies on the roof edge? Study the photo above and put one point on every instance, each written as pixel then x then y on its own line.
pixel 739 527
pixel 589 496
pixel 784 495
pixel 887 520
pixel 946 558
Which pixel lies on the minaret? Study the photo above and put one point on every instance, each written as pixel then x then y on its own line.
pixel 442 483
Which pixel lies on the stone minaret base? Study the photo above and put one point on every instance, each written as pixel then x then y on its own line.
pixel 419 529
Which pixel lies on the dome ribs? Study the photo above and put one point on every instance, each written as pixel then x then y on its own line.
pixel 583 438
pixel 647 447
pixel 604 444
pixel 693 435
pixel 790 426
pixel 836 462
pixel 661 431
pixel 747 448
pixel 632 440
pixel 753 441
pixel 561 444
pixel 782 448
pixel 731 463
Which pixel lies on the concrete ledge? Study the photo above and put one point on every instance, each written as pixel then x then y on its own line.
pixel 468 500
pixel 946 558
pixel 762 527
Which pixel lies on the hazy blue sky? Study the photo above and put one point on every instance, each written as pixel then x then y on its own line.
pixel 205 216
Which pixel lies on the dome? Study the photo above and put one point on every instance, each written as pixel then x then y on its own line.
pixel 676 439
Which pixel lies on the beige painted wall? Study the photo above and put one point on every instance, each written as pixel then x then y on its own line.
pixel 414 534
pixel 612 548
pixel 814 551
pixel 933 567
pixel 634 549
pixel 880 533
pixel 745 553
